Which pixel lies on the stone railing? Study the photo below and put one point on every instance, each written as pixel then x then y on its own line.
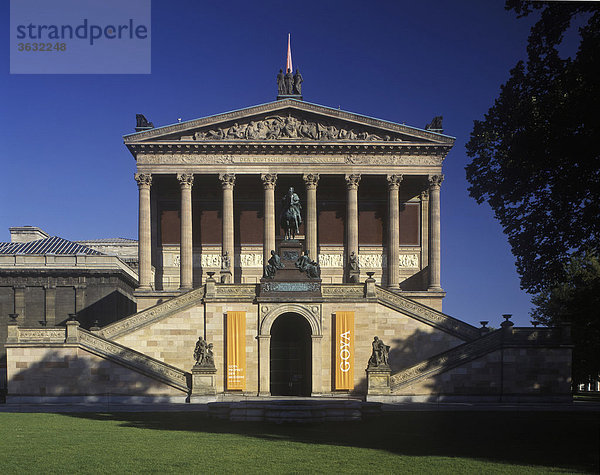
pixel 236 291
pixel 447 360
pixel 427 315
pixel 144 364
pixel 152 314
pixel 36 335
pixel 343 291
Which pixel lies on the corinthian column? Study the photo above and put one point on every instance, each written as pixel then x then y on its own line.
pixel 435 254
pixel 227 182
pixel 268 180
pixel 393 231
pixel 186 181
pixel 352 215
pixel 144 181
pixel 311 180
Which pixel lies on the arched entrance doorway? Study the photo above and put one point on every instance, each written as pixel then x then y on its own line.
pixel 290 361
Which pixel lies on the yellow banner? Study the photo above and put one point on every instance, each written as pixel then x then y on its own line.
pixel 344 350
pixel 236 350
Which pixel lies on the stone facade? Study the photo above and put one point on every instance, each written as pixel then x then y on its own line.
pixel 209 217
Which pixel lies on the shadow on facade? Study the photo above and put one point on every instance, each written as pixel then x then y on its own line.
pixel 114 306
pixel 68 377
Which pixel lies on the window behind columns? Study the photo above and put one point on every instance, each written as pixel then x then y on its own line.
pixel 372 211
pixel 207 210
pixel 248 210
pixel 331 209
pixel 410 210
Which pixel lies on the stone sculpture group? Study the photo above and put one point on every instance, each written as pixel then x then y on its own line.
pixel 281 128
pixel 203 353
pixel 289 84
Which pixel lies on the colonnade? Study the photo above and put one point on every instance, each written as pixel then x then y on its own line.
pixel 186 180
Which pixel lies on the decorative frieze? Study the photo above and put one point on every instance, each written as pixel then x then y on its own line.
pixel 251 260
pixel 301 156
pixel 331 260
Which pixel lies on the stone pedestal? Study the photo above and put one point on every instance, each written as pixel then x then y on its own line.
pixel 378 380
pixel 289 283
pixel 353 276
pixel 226 276
pixel 204 381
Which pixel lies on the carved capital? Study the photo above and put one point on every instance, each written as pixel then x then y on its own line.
pixel 144 180
pixel 186 180
pixel 311 180
pixel 268 180
pixel 435 181
pixel 227 180
pixel 394 181
pixel 424 195
pixel 352 181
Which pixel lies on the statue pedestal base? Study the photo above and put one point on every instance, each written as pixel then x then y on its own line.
pixel 226 276
pixel 353 276
pixel 378 380
pixel 204 379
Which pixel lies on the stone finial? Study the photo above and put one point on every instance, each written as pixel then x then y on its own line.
pixel 144 180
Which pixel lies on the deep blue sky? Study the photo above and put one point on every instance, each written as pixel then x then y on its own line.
pixel 64 167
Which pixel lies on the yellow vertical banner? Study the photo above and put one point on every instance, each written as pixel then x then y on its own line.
pixel 344 350
pixel 236 350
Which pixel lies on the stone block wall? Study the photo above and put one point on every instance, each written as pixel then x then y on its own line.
pixel 508 372
pixel 410 340
pixel 62 371
pixel 171 340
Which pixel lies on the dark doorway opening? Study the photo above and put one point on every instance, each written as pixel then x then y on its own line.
pixel 290 356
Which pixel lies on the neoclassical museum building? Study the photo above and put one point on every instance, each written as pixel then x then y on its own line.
pixel 287 249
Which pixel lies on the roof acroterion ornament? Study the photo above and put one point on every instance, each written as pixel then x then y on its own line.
pixel 289 85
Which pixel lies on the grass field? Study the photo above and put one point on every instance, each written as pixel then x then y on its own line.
pixel 408 442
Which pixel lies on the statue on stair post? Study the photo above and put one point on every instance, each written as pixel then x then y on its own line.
pixel 204 382
pixel 380 354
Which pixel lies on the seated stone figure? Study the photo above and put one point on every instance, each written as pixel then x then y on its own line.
pixel 307 265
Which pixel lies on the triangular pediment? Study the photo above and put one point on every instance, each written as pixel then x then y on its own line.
pixel 288 121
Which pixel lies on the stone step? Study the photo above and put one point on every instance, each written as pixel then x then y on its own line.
pixel 293 411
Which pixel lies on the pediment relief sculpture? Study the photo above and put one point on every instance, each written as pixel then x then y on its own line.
pixel 280 127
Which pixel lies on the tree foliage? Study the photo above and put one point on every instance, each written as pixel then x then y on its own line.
pixel 535 156
pixel 576 300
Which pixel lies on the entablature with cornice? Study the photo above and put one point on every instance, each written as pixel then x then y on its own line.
pixel 288 133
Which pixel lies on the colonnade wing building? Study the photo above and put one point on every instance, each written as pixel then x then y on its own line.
pixel 271 316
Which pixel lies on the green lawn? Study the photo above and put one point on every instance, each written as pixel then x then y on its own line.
pixel 409 442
